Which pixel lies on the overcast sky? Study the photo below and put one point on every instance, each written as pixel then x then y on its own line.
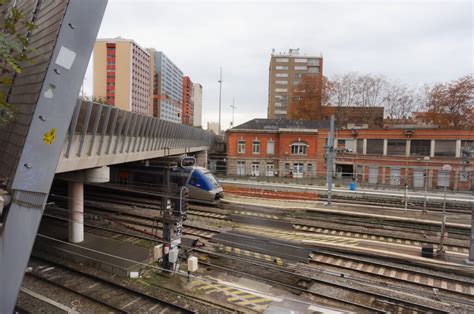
pixel 415 42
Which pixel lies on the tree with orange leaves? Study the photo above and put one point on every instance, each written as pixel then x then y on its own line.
pixel 308 97
pixel 451 105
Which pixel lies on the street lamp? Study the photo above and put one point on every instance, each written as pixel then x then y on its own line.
pixel 441 251
pixel 427 159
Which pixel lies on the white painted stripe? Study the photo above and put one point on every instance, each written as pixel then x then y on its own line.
pixel 47 300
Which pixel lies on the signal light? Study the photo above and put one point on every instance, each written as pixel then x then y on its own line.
pixel 187 161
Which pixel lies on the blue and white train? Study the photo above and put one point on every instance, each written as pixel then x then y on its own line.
pixel 203 186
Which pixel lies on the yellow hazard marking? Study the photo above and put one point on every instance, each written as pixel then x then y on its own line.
pixel 48 137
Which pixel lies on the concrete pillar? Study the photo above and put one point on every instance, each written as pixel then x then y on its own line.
pixel 364 146
pixel 385 145
pixel 201 159
pixel 458 148
pixel 76 211
pixel 407 148
pixel 432 152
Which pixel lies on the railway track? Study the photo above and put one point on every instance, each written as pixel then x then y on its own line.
pixel 399 305
pixel 120 298
pixel 384 201
pixel 373 235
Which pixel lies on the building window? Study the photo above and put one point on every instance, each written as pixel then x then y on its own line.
pixel 281 90
pixel 281 75
pixel 281 60
pixel 255 169
pixel 301 67
pixel 281 82
pixel 310 168
pixel 445 148
pixel 345 145
pixel 270 147
pixel 301 60
pixel 420 147
pixel 240 168
pixel 467 144
pixel 443 178
pixel 270 170
pixel 281 67
pixel 375 147
pixel 313 70
pixel 299 148
pixel 298 170
pixel 256 147
pixel 463 175
pixel 287 167
pixel 241 147
pixel 313 62
pixel 396 147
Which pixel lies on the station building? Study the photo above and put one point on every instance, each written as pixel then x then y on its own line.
pixel 376 157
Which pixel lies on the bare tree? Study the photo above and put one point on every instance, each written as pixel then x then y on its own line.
pixel 399 102
pixel 452 104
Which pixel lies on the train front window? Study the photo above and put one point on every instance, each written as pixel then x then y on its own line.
pixel 213 179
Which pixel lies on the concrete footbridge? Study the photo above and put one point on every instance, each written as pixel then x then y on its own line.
pixel 101 135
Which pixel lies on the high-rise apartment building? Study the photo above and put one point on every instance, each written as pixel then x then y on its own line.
pixel 188 106
pixel 121 74
pixel 285 72
pixel 167 88
pixel 197 101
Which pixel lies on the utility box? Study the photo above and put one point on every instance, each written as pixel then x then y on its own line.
pixel 173 255
pixel 192 263
pixel 427 250
pixel 158 252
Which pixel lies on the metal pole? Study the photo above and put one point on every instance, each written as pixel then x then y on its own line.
pixel 441 251
pixel 426 188
pixel 406 196
pixel 330 158
pixel 233 108
pixel 220 98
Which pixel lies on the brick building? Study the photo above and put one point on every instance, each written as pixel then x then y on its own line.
pixel 274 147
pixel 188 105
pixel 376 157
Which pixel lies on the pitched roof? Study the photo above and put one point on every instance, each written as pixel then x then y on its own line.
pixel 276 124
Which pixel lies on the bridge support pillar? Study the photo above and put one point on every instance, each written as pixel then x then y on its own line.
pixel 76 212
pixel 76 182
pixel 201 159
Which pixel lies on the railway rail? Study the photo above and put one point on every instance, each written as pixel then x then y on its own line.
pixel 122 299
pixel 400 305
pixel 379 198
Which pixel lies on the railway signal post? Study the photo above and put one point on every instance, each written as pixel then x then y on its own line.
pixel 330 159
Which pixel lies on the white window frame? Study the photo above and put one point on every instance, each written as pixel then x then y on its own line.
pixel 298 170
pixel 281 60
pixel 281 67
pixel 255 169
pixel 301 60
pixel 241 147
pixel 256 147
pixel 281 90
pixel 270 170
pixel 301 68
pixel 241 168
pixel 281 82
pixel 299 148
pixel 280 75
pixel 272 151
